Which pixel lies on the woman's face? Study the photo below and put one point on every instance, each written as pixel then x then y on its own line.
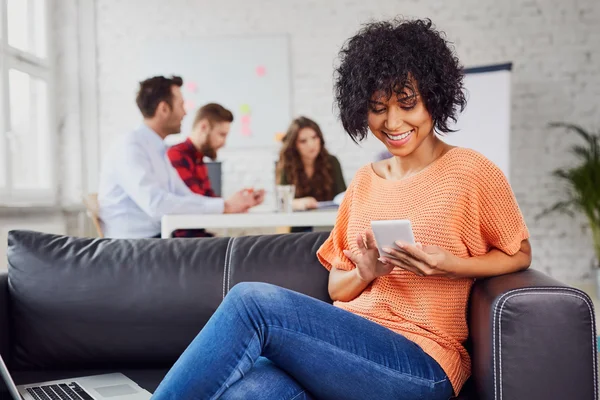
pixel 402 122
pixel 308 144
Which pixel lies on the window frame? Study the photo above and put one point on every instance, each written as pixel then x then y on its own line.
pixel 39 68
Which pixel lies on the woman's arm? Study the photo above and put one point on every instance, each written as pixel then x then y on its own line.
pixel 435 261
pixel 345 285
pixel 304 203
pixel 496 262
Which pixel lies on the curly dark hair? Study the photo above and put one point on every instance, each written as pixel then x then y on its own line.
pixel 154 90
pixel 393 57
pixel 320 186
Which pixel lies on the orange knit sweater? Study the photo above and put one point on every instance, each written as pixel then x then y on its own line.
pixel 461 202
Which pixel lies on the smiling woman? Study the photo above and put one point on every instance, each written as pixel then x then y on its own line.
pixel 398 121
pixel 466 220
pixel 398 324
pixel 410 65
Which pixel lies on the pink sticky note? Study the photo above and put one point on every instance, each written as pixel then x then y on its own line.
pixel 189 105
pixel 261 70
pixel 246 131
pixel 246 119
pixel 191 86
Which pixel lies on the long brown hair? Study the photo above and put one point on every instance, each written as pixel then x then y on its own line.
pixel 290 164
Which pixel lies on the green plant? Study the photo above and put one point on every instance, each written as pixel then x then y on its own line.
pixel 582 182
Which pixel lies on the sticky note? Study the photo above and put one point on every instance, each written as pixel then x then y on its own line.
pixel 261 70
pixel 246 131
pixel 279 136
pixel 191 86
pixel 245 109
pixel 245 120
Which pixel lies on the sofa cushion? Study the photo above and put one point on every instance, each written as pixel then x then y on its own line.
pixel 289 261
pixel 107 303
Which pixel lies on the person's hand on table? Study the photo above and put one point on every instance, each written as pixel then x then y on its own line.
pixel 240 202
pixel 305 203
pixel 258 196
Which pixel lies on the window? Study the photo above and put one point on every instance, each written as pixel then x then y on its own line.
pixel 27 129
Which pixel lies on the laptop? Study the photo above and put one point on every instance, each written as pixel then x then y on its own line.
pixel 98 387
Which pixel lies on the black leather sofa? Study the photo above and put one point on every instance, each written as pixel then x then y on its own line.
pixel 77 306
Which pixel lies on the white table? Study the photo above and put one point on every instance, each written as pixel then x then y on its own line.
pixel 256 218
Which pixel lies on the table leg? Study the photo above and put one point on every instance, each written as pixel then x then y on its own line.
pixel 165 231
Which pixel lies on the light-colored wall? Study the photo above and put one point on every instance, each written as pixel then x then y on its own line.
pixel 554 46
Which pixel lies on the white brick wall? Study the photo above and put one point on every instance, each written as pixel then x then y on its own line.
pixel 67 105
pixel 554 46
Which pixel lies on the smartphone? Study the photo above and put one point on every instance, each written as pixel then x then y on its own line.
pixel 387 232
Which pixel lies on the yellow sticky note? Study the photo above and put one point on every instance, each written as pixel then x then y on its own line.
pixel 245 109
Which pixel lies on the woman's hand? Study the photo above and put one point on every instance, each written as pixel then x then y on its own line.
pixel 368 265
pixel 305 203
pixel 422 260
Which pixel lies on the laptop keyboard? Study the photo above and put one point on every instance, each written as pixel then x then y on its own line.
pixel 62 391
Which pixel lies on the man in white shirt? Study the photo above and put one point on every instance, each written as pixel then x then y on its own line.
pixel 138 185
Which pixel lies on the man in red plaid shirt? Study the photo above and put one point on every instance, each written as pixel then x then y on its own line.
pixel 209 133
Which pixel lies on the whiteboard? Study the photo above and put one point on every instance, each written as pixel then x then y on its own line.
pixel 250 76
pixel 484 125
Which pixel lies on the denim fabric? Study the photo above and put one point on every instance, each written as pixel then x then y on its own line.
pixel 314 350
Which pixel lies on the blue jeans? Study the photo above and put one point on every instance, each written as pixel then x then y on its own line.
pixel 310 350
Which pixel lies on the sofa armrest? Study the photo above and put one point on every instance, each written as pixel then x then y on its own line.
pixel 532 338
pixel 4 316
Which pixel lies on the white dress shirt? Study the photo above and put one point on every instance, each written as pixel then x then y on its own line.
pixel 138 185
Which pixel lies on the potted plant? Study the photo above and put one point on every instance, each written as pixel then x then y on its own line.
pixel 582 186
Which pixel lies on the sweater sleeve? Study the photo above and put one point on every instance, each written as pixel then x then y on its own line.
pixel 501 222
pixel 330 253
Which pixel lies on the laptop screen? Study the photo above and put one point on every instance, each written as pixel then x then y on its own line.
pixel 10 384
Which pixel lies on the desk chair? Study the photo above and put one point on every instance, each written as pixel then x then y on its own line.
pixel 93 209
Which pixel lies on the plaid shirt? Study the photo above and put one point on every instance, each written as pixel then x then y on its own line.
pixel 190 166
pixel 189 163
